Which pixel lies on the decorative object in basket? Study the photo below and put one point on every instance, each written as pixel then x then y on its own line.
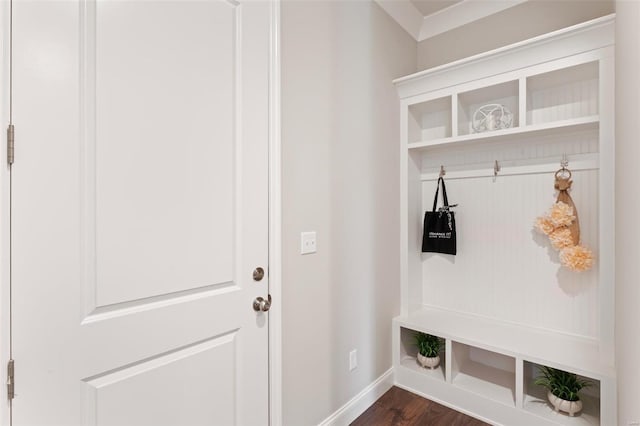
pixel 563 388
pixel 491 117
pixel 428 349
pixel 562 227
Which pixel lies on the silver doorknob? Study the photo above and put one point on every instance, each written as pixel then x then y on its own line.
pixel 262 305
pixel 258 274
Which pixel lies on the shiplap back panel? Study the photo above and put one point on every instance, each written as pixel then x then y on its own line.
pixel 504 269
pixel 434 117
pixel 563 94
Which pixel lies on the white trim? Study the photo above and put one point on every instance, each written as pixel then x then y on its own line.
pixel 359 403
pixel 607 195
pixel 460 14
pixel 525 44
pixel 405 14
pixel 4 208
pixel 275 223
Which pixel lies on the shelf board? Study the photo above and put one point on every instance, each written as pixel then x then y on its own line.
pixel 571 353
pixel 466 402
pixel 411 363
pixel 540 406
pixel 488 382
pixel 537 130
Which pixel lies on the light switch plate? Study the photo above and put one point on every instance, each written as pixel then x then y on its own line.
pixel 307 242
pixel 353 360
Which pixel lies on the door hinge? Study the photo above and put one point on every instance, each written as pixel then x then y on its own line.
pixel 10 144
pixel 10 380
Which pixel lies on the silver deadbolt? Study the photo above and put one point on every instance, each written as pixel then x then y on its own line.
pixel 258 274
pixel 262 305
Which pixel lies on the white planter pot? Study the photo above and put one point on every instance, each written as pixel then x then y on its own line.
pixel 571 407
pixel 429 362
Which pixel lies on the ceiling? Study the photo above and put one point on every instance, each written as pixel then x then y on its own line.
pixel 428 18
pixel 429 7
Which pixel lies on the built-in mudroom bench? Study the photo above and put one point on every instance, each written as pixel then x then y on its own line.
pixel 498 127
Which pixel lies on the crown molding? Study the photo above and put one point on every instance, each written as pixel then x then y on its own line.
pixel 405 14
pixel 423 27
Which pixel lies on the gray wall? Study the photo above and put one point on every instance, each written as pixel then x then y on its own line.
pixel 340 130
pixel 340 155
pixel 627 210
pixel 530 19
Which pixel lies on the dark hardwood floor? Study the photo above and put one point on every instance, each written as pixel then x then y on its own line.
pixel 398 407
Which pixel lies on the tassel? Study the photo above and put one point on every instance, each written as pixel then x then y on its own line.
pixel 563 185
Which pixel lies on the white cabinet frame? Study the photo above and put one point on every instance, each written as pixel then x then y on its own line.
pixel 588 51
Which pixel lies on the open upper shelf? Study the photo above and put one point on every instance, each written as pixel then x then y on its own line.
pixel 563 94
pixel 431 120
pixel 469 102
pixel 568 352
pixel 534 130
pixel 557 100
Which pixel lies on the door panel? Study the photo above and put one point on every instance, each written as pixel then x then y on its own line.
pixel 160 82
pixel 140 210
pixel 180 377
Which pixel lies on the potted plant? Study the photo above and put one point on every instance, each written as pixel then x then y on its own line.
pixel 428 349
pixel 562 389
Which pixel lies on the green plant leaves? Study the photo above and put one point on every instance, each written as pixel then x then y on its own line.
pixel 561 383
pixel 427 344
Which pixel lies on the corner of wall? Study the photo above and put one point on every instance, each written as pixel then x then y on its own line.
pixel 340 178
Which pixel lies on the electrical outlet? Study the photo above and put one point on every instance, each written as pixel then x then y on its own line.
pixel 307 242
pixel 353 360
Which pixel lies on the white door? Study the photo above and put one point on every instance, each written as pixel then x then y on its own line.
pixel 140 211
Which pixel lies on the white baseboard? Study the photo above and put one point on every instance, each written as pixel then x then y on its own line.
pixel 359 403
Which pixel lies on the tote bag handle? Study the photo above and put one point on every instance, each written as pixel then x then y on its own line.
pixel 444 195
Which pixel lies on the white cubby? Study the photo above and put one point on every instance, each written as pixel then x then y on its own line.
pixel 503 303
pixel 536 402
pixel 430 120
pixel 483 372
pixel 505 94
pixel 563 94
pixel 408 357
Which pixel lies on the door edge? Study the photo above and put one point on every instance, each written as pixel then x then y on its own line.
pixel 5 278
pixel 275 221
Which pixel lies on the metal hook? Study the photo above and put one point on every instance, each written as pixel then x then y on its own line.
pixel 496 168
pixel 442 171
pixel 564 164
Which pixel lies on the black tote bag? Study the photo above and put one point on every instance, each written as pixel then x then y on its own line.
pixel 439 232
